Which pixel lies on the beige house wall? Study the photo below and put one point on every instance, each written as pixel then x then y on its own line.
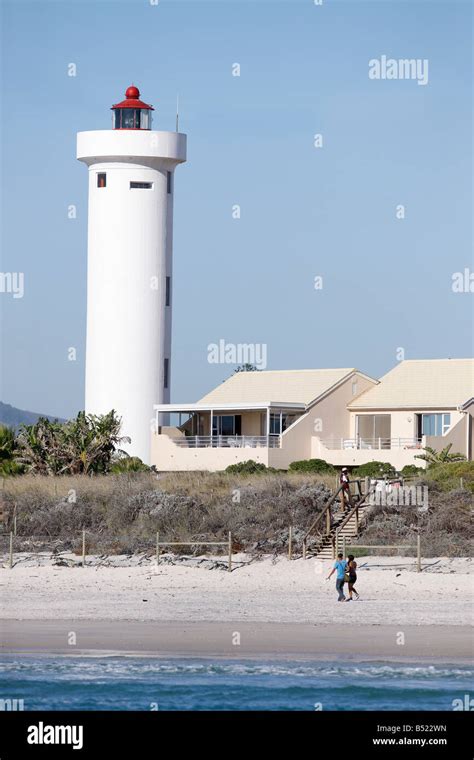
pixel 172 432
pixel 328 418
pixel 457 436
pixel 471 430
pixel 398 457
pixel 252 423
pixel 468 447
pixel 169 457
pixel 295 444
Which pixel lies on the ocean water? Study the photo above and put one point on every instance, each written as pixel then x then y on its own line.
pixel 142 683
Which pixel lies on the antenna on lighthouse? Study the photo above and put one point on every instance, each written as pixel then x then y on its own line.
pixel 177 113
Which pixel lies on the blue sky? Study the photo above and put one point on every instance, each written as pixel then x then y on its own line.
pixel 387 282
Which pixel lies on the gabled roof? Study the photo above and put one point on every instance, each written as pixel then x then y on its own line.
pixel 421 384
pixel 300 386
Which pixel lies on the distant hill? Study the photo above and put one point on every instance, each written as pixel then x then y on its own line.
pixel 13 417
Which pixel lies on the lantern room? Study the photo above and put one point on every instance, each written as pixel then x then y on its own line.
pixel 132 113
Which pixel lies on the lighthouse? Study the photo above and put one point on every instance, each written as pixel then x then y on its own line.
pixel 130 266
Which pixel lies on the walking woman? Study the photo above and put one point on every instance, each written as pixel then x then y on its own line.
pixel 351 571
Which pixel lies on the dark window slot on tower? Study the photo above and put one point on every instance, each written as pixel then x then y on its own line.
pixel 166 373
pixel 168 291
pixel 102 180
pixel 141 185
pixel 169 179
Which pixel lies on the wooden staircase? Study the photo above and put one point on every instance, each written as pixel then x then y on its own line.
pixel 333 527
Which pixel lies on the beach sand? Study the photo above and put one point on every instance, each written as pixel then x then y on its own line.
pixel 278 608
pixel 239 640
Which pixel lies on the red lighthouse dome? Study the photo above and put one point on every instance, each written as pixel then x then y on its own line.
pixel 132 113
pixel 132 92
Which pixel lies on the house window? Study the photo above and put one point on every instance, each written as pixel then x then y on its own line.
pixel 433 424
pixel 141 185
pixel 280 422
pixel 227 424
pixel 168 291
pixel 275 424
pixel 169 182
pixel 102 180
pixel 373 431
pixel 354 387
pixel 166 373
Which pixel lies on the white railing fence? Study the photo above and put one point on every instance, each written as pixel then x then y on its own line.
pixel 228 441
pixel 371 443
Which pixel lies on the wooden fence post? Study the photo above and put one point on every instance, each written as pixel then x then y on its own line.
pixel 11 549
pixel 83 548
pixel 418 553
pixel 158 547
pixel 230 552
pixel 290 541
pixel 304 548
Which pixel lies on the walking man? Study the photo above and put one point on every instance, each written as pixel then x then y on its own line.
pixel 340 569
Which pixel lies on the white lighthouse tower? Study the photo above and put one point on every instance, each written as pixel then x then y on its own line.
pixel 129 276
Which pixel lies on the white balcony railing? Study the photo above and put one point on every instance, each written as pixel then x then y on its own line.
pixel 371 443
pixel 228 441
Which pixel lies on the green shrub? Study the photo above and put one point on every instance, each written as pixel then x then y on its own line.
pixel 8 466
pixel 411 471
pixel 319 466
pixel 448 475
pixel 249 467
pixel 375 470
pixel 128 464
pixel 86 444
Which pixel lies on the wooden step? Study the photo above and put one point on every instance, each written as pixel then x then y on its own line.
pixel 323 547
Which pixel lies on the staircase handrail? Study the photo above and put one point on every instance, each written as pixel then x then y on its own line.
pixel 353 511
pixel 329 504
pixel 319 517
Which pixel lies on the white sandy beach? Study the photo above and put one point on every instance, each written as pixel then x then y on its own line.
pixel 267 590
pixel 277 608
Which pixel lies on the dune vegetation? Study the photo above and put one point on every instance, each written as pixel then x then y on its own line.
pixel 122 512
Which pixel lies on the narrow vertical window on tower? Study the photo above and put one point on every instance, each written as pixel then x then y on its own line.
pixel 102 180
pixel 169 179
pixel 166 373
pixel 168 291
